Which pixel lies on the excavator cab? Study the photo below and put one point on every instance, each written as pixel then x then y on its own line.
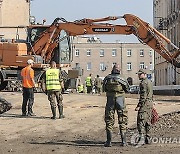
pixel 34 33
pixel 61 48
pixel 50 46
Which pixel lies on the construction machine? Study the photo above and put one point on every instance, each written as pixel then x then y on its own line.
pixel 47 43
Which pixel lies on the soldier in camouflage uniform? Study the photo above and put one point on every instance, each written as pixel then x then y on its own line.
pixel 144 107
pixel 54 89
pixel 115 88
pixel 98 84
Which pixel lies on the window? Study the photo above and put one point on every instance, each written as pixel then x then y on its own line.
pixel 102 66
pixel 142 66
pixel 114 52
pixel 150 66
pixel 89 66
pixel 129 66
pixel 128 52
pixel 65 51
pixel 88 52
pixel 101 53
pixel 77 52
pixel 141 53
pixel 150 53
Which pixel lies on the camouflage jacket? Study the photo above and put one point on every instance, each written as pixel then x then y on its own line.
pixel 114 85
pixel 146 93
pixel 98 82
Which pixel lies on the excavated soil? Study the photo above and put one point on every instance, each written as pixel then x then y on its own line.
pixel 82 131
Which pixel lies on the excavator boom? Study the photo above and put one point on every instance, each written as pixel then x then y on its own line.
pixel 145 33
pixel 45 40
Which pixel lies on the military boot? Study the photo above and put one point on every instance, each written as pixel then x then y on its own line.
pixel 123 138
pixel 141 140
pixel 61 116
pixel 109 137
pixel 53 109
pixel 147 139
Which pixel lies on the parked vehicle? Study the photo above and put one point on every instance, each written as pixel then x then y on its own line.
pixel 134 89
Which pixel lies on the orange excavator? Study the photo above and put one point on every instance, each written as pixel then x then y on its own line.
pixel 146 34
pixel 53 42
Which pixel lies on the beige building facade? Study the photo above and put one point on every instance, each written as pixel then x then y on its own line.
pixel 167 21
pixel 14 17
pixel 98 58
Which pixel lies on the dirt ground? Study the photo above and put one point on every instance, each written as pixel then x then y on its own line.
pixel 82 131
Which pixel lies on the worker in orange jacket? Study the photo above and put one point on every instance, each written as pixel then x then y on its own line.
pixel 28 83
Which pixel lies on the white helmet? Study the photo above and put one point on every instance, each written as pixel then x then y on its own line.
pixel 30 61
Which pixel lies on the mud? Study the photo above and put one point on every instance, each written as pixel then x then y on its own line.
pixel 82 131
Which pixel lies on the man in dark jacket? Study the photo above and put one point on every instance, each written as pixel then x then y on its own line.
pixel 115 87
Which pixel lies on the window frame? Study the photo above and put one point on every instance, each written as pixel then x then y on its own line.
pixel 88 51
pixel 150 53
pixel 150 66
pixel 129 66
pixel 89 66
pixel 102 66
pixel 129 51
pixel 114 52
pixel 101 53
pixel 142 65
pixel 141 52
pixel 77 51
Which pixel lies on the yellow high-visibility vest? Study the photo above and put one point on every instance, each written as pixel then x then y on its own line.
pixel 80 88
pixel 52 79
pixel 88 81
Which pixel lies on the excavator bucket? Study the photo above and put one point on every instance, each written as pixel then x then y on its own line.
pixel 4 105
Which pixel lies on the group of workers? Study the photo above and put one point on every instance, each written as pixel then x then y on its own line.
pixel 91 86
pixel 114 86
pixel 54 85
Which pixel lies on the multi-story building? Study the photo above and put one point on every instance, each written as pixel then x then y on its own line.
pixel 14 17
pixel 92 56
pixel 167 21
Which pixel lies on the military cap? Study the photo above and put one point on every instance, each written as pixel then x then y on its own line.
pixel 141 71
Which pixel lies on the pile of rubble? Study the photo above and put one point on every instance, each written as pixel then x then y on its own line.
pixel 168 125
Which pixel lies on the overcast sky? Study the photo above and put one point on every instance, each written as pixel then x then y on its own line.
pixel 77 9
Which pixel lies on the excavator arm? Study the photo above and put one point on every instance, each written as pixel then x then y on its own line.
pixel 150 36
pixel 146 34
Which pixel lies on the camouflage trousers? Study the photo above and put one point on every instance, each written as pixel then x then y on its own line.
pixel 52 95
pixel 116 104
pixel 144 121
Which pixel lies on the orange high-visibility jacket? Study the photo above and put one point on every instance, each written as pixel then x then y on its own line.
pixel 27 74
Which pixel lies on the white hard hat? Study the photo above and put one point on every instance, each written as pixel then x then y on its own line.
pixel 30 61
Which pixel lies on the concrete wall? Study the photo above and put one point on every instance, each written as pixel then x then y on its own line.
pixel 168 10
pixel 14 13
